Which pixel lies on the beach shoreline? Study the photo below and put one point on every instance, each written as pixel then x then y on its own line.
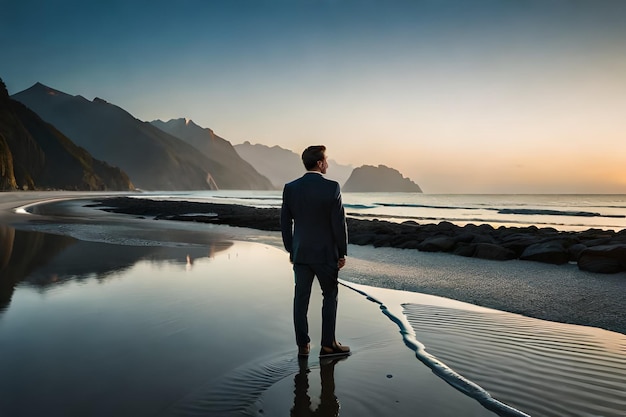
pixel 592 250
pixel 545 290
pixel 560 293
pixel 382 367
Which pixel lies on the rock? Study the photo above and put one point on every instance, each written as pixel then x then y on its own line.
pixel 575 250
pixel 605 259
pixel 552 252
pixel 465 249
pixel 480 229
pixel 493 252
pixel 362 238
pixel 447 226
pixel 437 244
pixel 466 237
pixel 518 243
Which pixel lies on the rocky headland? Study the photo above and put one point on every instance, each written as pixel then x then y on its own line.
pixel 368 178
pixel 593 250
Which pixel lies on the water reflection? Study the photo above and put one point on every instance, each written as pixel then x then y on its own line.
pixel 43 260
pixel 21 253
pixel 7 236
pixel 134 342
pixel 328 404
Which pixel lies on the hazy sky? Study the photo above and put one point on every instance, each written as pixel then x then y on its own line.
pixel 465 96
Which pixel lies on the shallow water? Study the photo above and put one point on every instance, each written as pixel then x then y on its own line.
pixel 101 329
pixel 97 329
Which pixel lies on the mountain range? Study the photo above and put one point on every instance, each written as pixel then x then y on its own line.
pixel 35 155
pixel 154 159
pixel 159 155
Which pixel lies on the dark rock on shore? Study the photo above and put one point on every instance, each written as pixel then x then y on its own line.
pixel 607 259
pixel 594 250
pixel 552 252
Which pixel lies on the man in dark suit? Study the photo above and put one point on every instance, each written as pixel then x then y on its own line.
pixel 313 225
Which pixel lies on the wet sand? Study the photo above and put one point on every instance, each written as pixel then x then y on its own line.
pixel 221 343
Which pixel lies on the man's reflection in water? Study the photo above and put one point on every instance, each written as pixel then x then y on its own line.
pixel 329 405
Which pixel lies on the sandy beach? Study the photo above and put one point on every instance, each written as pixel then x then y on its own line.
pixel 143 317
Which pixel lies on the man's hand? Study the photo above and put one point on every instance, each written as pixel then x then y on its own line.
pixel 341 263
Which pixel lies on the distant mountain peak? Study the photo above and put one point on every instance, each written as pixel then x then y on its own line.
pixel 259 145
pixel 181 123
pixel 191 123
pixel 48 90
pixel 45 89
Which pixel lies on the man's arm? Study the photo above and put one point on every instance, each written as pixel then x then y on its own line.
pixel 286 224
pixel 340 229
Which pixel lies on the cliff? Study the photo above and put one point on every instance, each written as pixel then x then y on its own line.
pixel 35 155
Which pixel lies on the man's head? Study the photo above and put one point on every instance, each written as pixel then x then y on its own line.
pixel 314 158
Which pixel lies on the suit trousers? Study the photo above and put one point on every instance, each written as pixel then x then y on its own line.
pixel 327 275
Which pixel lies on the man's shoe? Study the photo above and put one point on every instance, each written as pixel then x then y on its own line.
pixel 304 350
pixel 337 349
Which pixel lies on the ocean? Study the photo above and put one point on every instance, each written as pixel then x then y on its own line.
pixel 566 212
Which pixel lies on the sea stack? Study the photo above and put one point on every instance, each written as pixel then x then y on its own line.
pixel 368 178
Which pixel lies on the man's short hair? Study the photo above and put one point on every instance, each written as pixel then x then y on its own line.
pixel 311 155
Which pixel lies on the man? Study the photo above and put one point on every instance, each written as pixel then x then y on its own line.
pixel 313 225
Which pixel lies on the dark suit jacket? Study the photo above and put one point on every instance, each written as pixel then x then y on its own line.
pixel 313 221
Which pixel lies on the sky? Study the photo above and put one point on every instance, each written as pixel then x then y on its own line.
pixel 461 96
